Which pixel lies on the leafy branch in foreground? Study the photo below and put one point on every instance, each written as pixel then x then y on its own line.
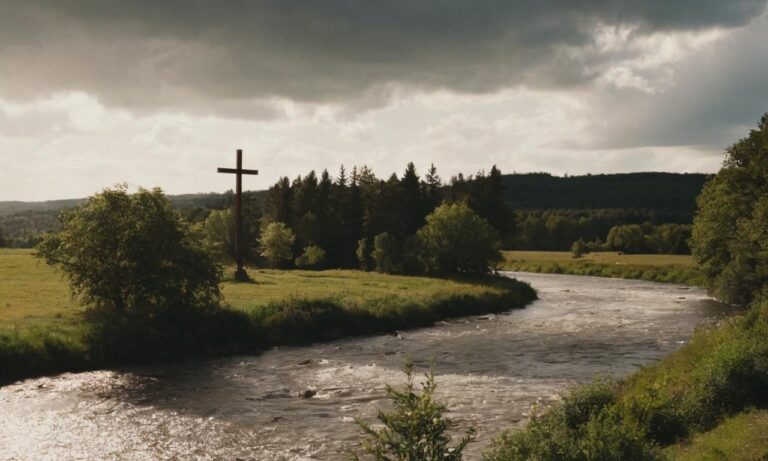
pixel 415 430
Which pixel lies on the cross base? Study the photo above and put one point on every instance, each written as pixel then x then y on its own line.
pixel 241 276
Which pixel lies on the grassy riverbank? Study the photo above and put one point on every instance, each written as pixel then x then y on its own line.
pixel 705 401
pixel 654 268
pixel 42 330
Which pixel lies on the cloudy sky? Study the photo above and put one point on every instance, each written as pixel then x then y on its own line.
pixel 160 93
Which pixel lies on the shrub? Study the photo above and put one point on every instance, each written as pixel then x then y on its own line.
pixel 312 258
pixel 578 248
pixel 416 429
pixel 276 242
pixel 586 426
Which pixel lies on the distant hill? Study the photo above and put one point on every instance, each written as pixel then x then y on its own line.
pixel 9 208
pixel 664 193
pixel 183 201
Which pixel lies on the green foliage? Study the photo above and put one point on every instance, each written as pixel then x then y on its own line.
pixel 730 232
pixel 363 254
pixel 456 239
pixel 276 243
pixel 558 229
pixel 339 214
pixel 669 239
pixel 416 429
pixel 655 268
pixel 132 254
pixel 313 257
pixel 387 254
pixel 218 233
pixel 629 239
pixel 585 427
pixel 3 241
pixel 671 197
pixel 578 248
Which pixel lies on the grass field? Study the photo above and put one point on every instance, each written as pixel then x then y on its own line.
pixel 743 437
pixel 31 293
pixel 657 268
pixel 44 330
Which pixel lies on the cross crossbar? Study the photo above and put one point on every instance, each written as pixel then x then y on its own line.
pixel 236 171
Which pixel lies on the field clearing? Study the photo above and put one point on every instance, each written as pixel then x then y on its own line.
pixel 612 258
pixel 743 437
pixel 32 293
pixel 349 285
pixel 652 267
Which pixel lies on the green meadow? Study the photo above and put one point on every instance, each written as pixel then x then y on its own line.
pixel 653 267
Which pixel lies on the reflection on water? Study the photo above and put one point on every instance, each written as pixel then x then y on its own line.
pixel 490 370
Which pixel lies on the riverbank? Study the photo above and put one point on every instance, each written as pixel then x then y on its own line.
pixel 43 331
pixel 653 268
pixel 706 400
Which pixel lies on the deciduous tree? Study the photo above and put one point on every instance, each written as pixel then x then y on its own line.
pixel 132 254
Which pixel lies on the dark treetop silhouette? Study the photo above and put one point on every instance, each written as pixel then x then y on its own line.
pixel 240 273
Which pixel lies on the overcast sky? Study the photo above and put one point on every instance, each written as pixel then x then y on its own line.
pixel 160 93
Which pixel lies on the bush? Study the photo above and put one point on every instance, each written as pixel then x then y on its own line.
pixel 586 426
pixel 456 239
pixel 387 254
pixel 312 258
pixel 276 242
pixel 578 248
pixel 132 254
pixel 416 429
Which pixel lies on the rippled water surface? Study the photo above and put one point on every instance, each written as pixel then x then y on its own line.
pixel 490 370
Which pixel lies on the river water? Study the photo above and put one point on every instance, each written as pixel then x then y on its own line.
pixel 490 370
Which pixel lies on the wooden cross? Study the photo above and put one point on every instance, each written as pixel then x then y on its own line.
pixel 240 273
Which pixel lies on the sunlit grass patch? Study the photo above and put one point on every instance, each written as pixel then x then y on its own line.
pixel 656 268
pixel 743 437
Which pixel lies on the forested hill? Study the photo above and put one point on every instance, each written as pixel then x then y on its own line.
pixel 661 192
pixel 665 193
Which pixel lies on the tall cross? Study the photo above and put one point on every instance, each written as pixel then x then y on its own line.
pixel 240 274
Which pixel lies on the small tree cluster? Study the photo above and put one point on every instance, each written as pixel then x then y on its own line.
pixel 343 215
pixel 455 239
pixel 313 257
pixel 730 232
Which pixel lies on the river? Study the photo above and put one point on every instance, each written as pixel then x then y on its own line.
pixel 490 370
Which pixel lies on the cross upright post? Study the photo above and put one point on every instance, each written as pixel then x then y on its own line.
pixel 240 274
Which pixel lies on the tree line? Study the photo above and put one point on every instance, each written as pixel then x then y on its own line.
pixel 730 232
pixel 356 220
pixel 629 231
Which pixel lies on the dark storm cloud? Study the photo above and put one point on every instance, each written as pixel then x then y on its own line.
pixel 227 56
